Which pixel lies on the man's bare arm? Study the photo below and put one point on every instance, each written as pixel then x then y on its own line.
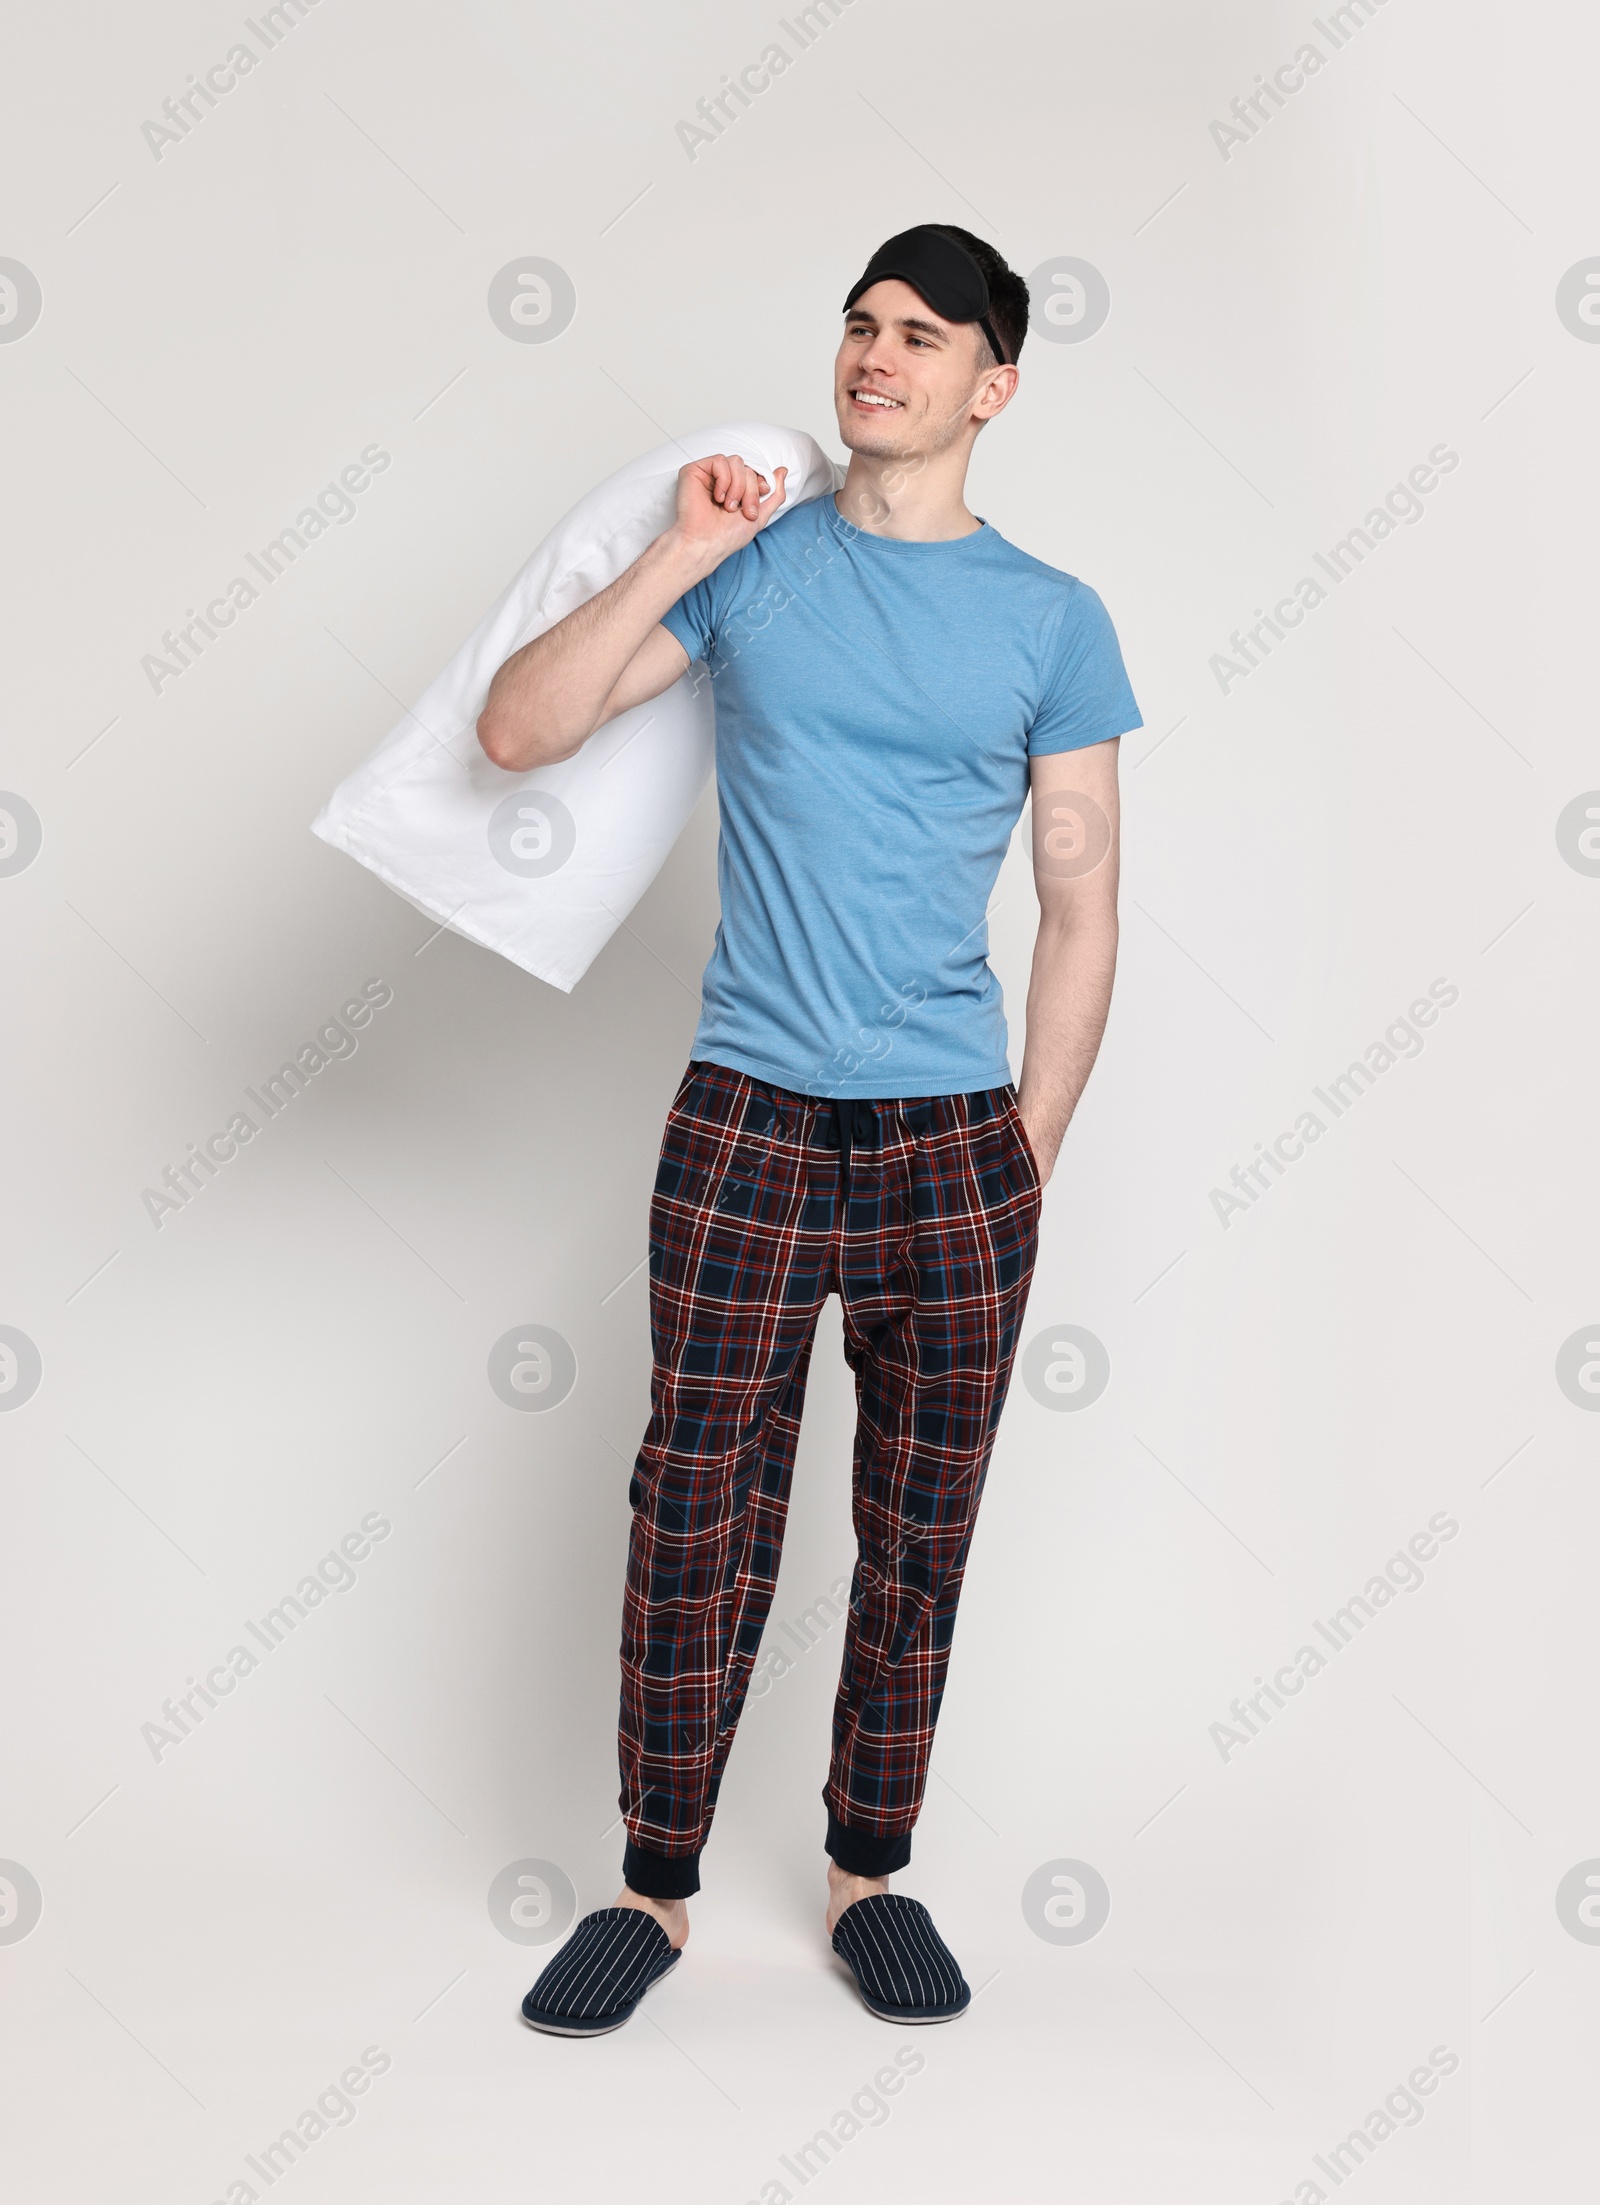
pixel 1076 826
pixel 612 653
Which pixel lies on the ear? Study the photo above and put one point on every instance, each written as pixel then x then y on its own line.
pixel 995 391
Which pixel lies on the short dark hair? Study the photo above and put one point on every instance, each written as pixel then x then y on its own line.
pixel 1008 294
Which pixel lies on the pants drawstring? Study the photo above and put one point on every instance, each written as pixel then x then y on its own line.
pixel 856 1123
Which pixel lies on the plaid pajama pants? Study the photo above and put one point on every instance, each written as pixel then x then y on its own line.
pixel 923 1216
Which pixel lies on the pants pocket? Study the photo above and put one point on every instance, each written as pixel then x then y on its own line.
pixel 1024 1146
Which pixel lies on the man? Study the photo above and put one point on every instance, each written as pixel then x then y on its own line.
pixel 891 678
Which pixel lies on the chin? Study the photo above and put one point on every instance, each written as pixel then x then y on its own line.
pixel 872 439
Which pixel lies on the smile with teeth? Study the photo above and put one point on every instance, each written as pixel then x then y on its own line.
pixel 875 398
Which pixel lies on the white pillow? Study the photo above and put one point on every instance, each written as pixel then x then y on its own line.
pixel 544 866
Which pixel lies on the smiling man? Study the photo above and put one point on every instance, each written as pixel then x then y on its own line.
pixel 892 678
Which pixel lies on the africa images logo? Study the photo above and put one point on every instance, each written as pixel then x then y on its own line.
pixel 21 300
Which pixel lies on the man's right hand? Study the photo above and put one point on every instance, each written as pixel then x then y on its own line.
pixel 722 503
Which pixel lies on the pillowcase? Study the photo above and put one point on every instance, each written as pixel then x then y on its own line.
pixel 544 866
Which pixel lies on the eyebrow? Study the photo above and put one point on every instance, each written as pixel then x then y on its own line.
pixel 901 321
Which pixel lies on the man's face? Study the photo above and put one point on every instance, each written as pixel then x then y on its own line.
pixel 906 380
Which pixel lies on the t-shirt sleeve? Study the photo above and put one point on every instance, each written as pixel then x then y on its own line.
pixel 700 612
pixel 1087 696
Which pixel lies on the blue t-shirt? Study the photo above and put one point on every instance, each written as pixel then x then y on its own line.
pixel 876 706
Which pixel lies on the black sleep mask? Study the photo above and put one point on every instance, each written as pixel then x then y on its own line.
pixel 944 272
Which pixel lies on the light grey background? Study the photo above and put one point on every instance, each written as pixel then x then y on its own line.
pixel 1292 328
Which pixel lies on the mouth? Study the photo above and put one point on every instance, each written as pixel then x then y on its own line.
pixel 876 401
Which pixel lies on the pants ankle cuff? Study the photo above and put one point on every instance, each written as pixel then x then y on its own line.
pixel 660 1875
pixel 862 1852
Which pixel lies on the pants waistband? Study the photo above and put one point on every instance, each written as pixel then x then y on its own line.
pixel 842 1122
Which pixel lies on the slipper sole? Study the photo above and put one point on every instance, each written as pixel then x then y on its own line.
pixel 901 2013
pixel 566 2028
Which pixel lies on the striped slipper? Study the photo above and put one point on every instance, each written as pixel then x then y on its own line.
pixel 903 1968
pixel 600 1974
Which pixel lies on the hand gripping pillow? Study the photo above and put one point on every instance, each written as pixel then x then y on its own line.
pixel 544 866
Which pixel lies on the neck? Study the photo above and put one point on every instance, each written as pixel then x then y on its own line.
pixel 918 498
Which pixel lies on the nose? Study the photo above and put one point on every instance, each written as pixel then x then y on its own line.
pixel 878 358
